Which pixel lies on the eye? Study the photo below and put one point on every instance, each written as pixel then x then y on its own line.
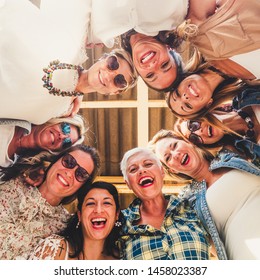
pixel 167 158
pixel 90 203
pixel 108 203
pixel 132 170
pixel 150 75
pixel 165 64
pixel 148 164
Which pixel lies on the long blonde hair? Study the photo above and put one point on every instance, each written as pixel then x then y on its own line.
pixel 163 133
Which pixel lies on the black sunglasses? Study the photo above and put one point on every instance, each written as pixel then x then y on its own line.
pixel 70 162
pixel 119 80
pixel 192 127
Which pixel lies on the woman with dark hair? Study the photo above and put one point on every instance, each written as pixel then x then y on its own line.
pixel 91 234
pixel 28 214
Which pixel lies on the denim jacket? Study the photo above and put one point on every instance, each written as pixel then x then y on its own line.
pixel 196 194
pixel 248 97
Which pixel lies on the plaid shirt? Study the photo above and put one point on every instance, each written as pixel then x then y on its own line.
pixel 180 237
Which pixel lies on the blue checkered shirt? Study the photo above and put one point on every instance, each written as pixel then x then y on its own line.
pixel 181 236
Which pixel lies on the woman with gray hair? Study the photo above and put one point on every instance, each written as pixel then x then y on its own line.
pixel 157 226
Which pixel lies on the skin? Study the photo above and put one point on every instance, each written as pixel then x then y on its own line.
pixel 51 137
pixel 139 168
pixel 98 78
pixel 98 204
pixel 179 156
pixel 194 93
pixel 208 133
pixel 61 182
pixel 153 61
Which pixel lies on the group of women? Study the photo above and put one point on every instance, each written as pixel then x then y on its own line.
pixel 214 96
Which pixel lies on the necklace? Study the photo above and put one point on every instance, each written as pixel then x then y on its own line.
pixel 47 78
pixel 250 133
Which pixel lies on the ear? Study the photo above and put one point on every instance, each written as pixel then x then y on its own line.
pixel 163 172
pixel 209 103
pixel 128 185
pixel 117 214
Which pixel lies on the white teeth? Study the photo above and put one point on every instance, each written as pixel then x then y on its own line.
pixel 64 182
pixel 184 158
pixel 145 179
pixel 147 57
pixel 209 131
pixel 193 92
pixel 101 79
pixel 98 220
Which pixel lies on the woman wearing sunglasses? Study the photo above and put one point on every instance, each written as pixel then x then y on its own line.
pixel 223 129
pixel 28 214
pixel 20 138
pixel 228 184
pixel 91 233
pixel 41 64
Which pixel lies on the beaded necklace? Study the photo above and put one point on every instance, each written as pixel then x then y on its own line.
pixel 47 78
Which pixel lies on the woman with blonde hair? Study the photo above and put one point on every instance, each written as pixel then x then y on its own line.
pixel 20 138
pixel 226 180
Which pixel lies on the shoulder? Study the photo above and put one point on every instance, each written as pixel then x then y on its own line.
pixel 54 247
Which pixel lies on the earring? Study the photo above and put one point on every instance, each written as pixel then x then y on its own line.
pixel 77 226
pixel 118 224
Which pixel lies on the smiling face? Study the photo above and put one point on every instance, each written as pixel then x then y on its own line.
pixel 61 181
pixel 207 133
pixel 102 79
pixel 193 94
pixel 153 61
pixel 178 155
pixel 144 176
pixel 98 214
pixel 55 137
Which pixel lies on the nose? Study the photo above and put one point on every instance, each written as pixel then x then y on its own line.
pixel 184 97
pixel 98 208
pixel 175 155
pixel 63 136
pixel 141 170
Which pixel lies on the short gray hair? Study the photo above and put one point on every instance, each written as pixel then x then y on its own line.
pixel 132 152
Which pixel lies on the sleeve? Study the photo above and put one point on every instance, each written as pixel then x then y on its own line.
pixel 53 247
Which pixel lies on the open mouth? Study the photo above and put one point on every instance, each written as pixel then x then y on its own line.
pixel 210 131
pixel 146 181
pixel 192 91
pixel 185 159
pixel 101 79
pixel 147 56
pixel 62 180
pixel 98 222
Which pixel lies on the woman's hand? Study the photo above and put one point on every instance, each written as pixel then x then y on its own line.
pixel 76 105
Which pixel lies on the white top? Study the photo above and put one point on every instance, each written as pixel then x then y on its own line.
pixel 110 19
pixel 29 41
pixel 248 61
pixel 7 134
pixel 234 202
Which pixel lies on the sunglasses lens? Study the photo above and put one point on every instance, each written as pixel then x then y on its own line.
pixel 193 125
pixel 69 161
pixel 66 143
pixel 120 81
pixel 112 63
pixel 65 128
pixel 195 139
pixel 81 174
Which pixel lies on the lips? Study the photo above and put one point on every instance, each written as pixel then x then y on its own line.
pixel 147 57
pixel 98 223
pixel 145 181
pixel 192 91
pixel 62 180
pixel 185 159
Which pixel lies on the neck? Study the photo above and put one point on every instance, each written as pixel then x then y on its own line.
pixel 235 123
pixel 213 79
pixel 93 250
pixel 154 207
pixel 205 174
pixel 83 84
pixel 51 199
